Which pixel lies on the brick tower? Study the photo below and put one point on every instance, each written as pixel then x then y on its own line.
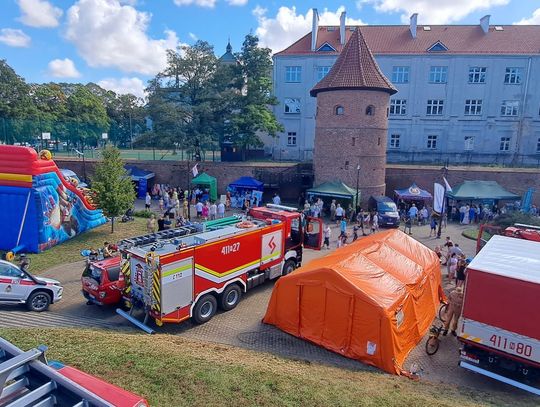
pixel 352 120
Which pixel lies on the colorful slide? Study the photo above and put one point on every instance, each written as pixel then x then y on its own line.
pixel 39 208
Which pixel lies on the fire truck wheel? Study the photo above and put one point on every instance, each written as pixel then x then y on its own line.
pixel 288 267
pixel 230 297
pixel 205 309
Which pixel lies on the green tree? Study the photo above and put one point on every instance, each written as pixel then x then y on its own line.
pixel 112 184
pixel 50 103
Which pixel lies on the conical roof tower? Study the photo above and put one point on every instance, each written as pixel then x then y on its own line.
pixel 355 68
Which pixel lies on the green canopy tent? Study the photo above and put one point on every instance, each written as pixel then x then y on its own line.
pixel 207 181
pixel 336 189
pixel 480 190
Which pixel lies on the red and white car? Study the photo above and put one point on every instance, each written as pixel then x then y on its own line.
pixel 21 287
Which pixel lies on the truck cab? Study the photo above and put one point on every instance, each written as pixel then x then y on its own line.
pixel 100 281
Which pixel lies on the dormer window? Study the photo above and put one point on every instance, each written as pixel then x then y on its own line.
pixel 438 47
pixel 326 48
pixel 339 110
pixel 370 110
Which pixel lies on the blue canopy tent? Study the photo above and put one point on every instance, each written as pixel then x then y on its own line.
pixel 141 178
pixel 413 193
pixel 245 188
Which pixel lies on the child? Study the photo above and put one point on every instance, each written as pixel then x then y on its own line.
pixel 160 204
pixel 453 267
pixel 327 235
pixel 433 225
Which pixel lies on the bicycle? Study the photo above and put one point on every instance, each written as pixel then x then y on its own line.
pixel 433 342
pixel 442 311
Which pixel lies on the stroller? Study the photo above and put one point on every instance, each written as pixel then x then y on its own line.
pixel 128 216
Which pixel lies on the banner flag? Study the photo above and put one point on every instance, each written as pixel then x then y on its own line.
pixel 438 198
pixel 448 187
pixel 195 171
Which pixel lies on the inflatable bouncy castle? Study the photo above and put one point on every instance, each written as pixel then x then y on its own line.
pixel 39 207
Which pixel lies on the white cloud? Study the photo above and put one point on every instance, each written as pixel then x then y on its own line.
pixel 133 85
pixel 63 68
pixel 109 34
pixel 200 3
pixel 534 19
pixel 433 12
pixel 237 2
pixel 14 37
pixel 193 36
pixel 39 13
pixel 288 26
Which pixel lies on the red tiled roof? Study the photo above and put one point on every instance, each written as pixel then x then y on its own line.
pixel 460 39
pixel 355 68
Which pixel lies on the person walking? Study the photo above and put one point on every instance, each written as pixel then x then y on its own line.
pixel 433 227
pixel 333 210
pixel 408 224
pixel 340 213
pixel 455 304
pixel 147 202
pixel 213 211
pixel 413 212
pixel 327 233
pixel 374 222
pixel 276 199
pixel 221 210
pixel 199 207
pixel 205 210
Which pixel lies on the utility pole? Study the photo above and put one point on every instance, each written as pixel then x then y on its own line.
pixel 357 206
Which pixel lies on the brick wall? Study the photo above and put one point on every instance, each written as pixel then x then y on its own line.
pixel 342 142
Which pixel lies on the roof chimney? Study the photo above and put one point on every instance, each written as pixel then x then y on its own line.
pixel 314 29
pixel 342 31
pixel 412 25
pixel 484 23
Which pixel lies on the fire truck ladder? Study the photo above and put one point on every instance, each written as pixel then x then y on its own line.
pixel 27 380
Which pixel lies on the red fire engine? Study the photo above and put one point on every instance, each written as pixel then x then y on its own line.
pixel 190 276
pixel 519 231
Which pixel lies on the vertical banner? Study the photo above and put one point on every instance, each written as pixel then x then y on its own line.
pixel 438 198
pixel 141 190
pixel 527 200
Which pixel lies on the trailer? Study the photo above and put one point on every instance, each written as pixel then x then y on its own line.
pixel 172 280
pixel 26 379
pixel 500 330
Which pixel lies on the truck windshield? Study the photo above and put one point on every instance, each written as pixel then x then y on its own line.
pixel 386 207
pixel 93 272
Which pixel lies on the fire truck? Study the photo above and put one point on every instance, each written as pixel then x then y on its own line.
pixel 519 231
pixel 500 329
pixel 191 276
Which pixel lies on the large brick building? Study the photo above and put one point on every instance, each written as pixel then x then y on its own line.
pixel 467 93
pixel 351 120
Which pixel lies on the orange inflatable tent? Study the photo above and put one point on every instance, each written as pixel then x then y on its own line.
pixel 373 300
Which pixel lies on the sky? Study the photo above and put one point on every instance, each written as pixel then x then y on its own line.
pixel 121 44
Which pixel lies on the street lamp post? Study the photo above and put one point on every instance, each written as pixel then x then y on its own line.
pixel 357 186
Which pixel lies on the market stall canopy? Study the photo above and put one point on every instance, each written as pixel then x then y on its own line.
pixel 479 190
pixel 372 300
pixel 137 173
pixel 335 189
pixel 247 183
pixel 208 181
pixel 413 193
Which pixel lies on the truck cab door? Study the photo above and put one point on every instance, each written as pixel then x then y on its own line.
pixel 313 233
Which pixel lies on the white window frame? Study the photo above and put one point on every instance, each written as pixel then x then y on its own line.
pixel 435 107
pixel 287 108
pixel 431 141
pixel 322 71
pixel 292 139
pixel 513 76
pixel 477 74
pixel 398 107
pixel 395 141
pixel 504 145
pixel 510 108
pixel 293 74
pixel 400 74
pixel 469 143
pixel 438 74
pixel 473 107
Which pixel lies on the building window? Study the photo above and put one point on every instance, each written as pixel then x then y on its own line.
pixel 513 76
pixel 353 141
pixel 438 74
pixel 400 74
pixel 291 138
pixel 469 143
pixel 538 145
pixel 370 110
pixel 398 107
pixel 431 142
pixel 434 107
pixel 322 71
pixel 395 140
pixel 477 74
pixel 505 144
pixel 340 110
pixel 473 107
pixel 293 74
pixel 292 105
pixel 510 108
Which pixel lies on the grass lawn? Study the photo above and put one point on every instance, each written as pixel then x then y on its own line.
pixel 470 233
pixel 70 250
pixel 172 371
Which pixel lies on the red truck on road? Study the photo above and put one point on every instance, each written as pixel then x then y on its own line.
pixel 500 330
